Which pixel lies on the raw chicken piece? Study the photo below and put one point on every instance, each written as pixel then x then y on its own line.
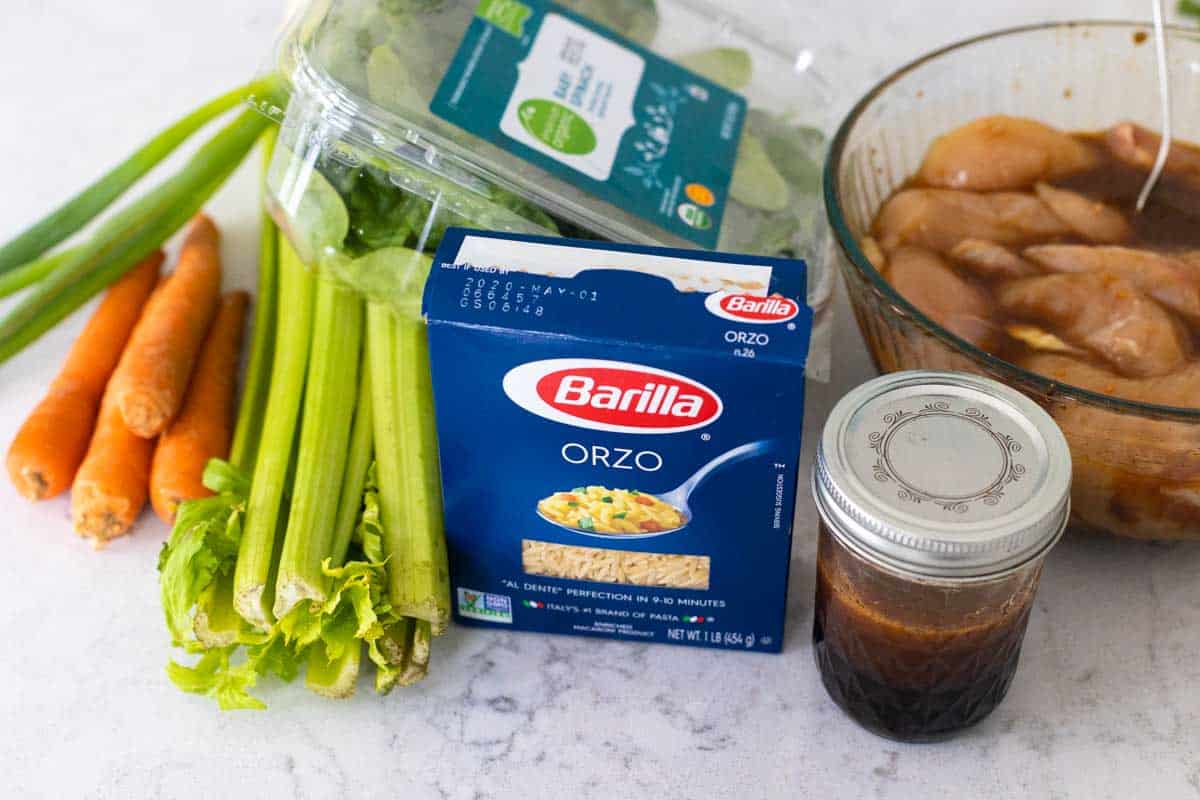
pixel 924 279
pixel 1002 152
pixel 1170 281
pixel 1036 338
pixel 941 218
pixel 1105 314
pixel 1190 261
pixel 991 260
pixel 1138 147
pixel 1134 474
pixel 1180 389
pixel 1089 218
pixel 874 253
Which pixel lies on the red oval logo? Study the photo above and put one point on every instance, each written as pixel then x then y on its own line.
pixel 612 395
pixel 759 309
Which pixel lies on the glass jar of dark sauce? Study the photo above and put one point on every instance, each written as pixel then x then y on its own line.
pixel 940 495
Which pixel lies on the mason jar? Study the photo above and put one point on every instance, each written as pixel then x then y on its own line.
pixel 939 495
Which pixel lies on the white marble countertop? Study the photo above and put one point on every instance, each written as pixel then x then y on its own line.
pixel 1106 702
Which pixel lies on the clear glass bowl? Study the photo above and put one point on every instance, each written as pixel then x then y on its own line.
pixel 1136 465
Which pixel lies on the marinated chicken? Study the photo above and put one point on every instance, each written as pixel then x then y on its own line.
pixel 1138 147
pixel 1135 475
pixel 1105 314
pixel 1172 282
pixel 1089 218
pixel 1000 152
pixel 929 283
pixel 1025 241
pixel 990 260
pixel 1037 228
pixel 940 219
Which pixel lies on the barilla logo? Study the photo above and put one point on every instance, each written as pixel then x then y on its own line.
pixel 752 308
pixel 611 396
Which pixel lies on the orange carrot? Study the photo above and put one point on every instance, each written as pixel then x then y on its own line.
pixel 112 483
pixel 51 444
pixel 204 426
pixel 149 383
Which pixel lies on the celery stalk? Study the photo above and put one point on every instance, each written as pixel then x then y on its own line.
pixel 390 652
pixel 416 664
pixel 256 554
pixel 336 678
pixel 358 464
pixel 83 207
pixel 216 623
pixel 244 450
pixel 129 236
pixel 328 414
pixel 407 463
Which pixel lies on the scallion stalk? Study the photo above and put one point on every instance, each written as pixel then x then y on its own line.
pixel 28 274
pixel 70 217
pixel 253 406
pixel 130 236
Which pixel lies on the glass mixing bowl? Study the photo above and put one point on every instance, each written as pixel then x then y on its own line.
pixel 1136 465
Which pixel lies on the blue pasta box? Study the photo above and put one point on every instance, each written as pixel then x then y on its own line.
pixel 619 431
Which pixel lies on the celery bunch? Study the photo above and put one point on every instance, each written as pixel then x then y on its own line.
pixel 324 540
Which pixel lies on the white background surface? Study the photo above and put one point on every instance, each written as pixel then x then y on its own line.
pixel 1106 702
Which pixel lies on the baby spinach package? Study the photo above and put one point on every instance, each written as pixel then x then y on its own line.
pixel 650 122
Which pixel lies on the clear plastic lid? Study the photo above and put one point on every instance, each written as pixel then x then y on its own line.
pixel 365 74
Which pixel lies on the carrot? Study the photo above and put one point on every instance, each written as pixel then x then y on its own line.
pixel 54 439
pixel 152 377
pixel 204 426
pixel 112 483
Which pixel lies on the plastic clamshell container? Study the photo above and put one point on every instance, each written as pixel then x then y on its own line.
pixel 363 76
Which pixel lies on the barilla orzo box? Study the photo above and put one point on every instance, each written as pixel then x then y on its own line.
pixel 619 430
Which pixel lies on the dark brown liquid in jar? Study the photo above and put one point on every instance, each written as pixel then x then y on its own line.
pixel 915 660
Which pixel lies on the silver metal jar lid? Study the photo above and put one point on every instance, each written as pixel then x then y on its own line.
pixel 942 475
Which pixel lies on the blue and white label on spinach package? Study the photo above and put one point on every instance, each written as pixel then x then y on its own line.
pixel 598 111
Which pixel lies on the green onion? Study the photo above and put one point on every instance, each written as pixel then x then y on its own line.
pixel 327 415
pixel 244 450
pixel 587 524
pixel 27 274
pixel 83 207
pixel 606 499
pixel 621 515
pixel 130 236
pixel 572 504
pixel 256 555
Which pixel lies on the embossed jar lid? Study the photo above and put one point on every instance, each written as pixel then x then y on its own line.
pixel 942 474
